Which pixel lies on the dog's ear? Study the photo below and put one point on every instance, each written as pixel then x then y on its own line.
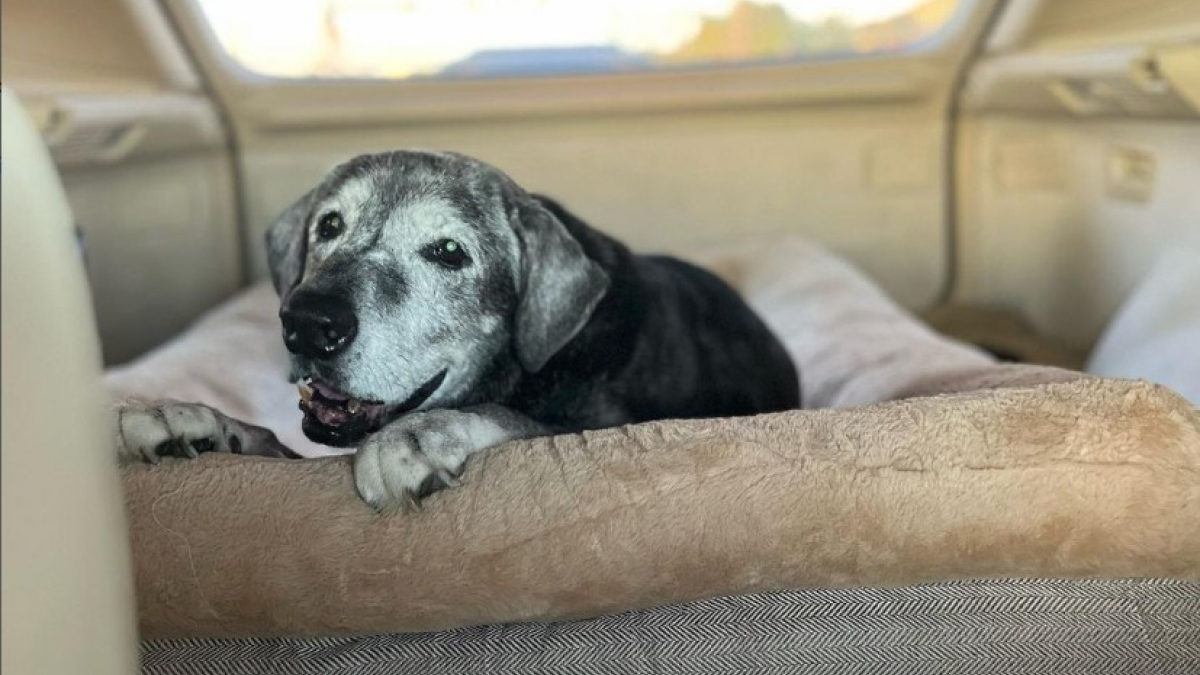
pixel 560 289
pixel 287 245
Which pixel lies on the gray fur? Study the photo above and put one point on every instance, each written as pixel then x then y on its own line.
pixel 425 451
pixel 554 279
pixel 394 204
pixel 420 356
pixel 416 319
pixel 286 250
pixel 546 325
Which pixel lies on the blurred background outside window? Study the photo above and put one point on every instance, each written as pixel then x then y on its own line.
pixel 423 39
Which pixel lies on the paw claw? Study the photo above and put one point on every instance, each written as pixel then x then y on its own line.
pixel 410 460
pixel 448 479
pixel 432 483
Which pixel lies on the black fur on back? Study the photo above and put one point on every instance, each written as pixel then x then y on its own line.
pixel 669 340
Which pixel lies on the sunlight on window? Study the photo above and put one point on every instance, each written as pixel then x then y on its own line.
pixel 516 38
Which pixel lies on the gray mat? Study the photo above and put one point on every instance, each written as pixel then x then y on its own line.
pixel 985 627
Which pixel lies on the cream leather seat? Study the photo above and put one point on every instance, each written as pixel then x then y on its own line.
pixel 67 585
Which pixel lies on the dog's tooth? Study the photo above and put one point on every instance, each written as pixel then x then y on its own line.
pixel 353 406
pixel 305 393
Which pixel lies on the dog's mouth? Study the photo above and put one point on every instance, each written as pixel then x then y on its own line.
pixel 333 417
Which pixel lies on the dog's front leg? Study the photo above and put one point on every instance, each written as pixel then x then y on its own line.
pixel 424 452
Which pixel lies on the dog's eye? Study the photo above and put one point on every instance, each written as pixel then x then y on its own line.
pixel 447 252
pixel 329 226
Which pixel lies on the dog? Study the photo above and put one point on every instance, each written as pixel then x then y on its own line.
pixel 432 308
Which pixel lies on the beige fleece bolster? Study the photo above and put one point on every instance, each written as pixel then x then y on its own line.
pixel 1092 478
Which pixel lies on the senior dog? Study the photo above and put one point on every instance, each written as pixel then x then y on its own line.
pixel 433 308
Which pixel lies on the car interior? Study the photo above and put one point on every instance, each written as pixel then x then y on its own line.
pixel 1018 176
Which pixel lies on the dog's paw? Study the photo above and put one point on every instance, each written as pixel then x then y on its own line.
pixel 418 455
pixel 147 432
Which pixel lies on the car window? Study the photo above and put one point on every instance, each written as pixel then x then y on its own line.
pixel 446 39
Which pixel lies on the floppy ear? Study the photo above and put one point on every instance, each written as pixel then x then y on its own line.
pixel 287 246
pixel 561 285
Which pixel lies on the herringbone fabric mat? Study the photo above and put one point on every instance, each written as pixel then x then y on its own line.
pixel 1014 627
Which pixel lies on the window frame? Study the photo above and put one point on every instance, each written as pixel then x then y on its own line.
pixel 903 74
pixel 931 42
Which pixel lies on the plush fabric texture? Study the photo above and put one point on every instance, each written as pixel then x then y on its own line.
pixel 852 343
pixel 1091 478
pixel 1156 332
pixel 1025 472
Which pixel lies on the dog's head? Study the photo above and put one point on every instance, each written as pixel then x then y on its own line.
pixel 412 280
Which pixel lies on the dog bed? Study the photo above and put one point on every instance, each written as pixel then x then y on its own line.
pixel 1156 332
pixel 982 471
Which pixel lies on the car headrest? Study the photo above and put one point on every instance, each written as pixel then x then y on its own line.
pixel 65 550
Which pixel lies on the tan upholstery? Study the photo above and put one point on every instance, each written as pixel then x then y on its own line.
pixel 1050 474
pixel 1090 478
pixel 67 590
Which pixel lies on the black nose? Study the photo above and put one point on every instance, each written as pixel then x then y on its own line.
pixel 317 325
